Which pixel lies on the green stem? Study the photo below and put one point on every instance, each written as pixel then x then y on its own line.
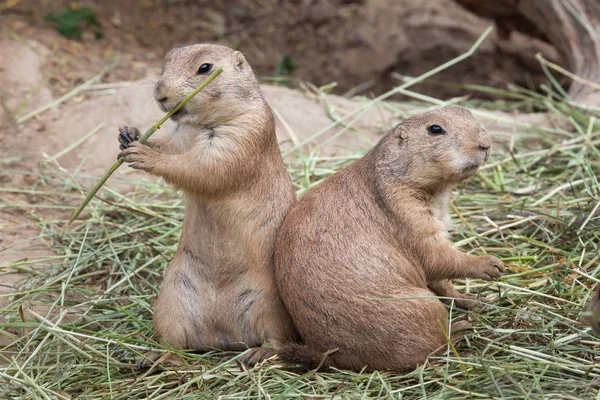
pixel 142 139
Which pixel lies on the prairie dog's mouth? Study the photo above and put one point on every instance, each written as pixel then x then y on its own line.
pixel 487 155
pixel 471 167
pixel 178 114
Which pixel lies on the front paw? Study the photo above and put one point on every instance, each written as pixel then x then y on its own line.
pixel 127 136
pixel 139 156
pixel 487 268
pixel 466 301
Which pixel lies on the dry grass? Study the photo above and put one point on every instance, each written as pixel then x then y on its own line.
pixel 84 315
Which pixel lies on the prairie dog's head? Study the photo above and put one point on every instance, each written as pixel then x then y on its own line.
pixel 434 149
pixel 234 92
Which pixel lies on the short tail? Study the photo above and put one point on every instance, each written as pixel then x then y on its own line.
pixel 306 357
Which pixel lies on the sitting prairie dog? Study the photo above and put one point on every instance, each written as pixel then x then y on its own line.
pixel 360 259
pixel 219 290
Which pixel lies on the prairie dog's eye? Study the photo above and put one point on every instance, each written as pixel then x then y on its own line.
pixel 436 130
pixel 204 68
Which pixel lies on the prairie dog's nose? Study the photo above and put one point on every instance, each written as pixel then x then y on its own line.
pixel 485 140
pixel 160 93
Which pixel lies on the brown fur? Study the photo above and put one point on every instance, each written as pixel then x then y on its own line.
pixel 219 292
pixel 357 258
pixel 593 313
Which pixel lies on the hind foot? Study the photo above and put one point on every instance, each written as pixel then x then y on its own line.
pixel 466 301
pixel 256 355
pixel 459 329
pixel 446 290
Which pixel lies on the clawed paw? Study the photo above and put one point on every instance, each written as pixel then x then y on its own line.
pixel 488 268
pixel 127 136
pixel 139 156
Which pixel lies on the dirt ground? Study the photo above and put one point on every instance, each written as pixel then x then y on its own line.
pixel 359 44
pixel 354 43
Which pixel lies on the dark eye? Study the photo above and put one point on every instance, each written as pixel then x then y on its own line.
pixel 204 68
pixel 436 130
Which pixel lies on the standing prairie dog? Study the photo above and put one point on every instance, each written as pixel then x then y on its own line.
pixel 360 259
pixel 219 290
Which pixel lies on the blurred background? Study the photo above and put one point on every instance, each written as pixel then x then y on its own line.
pixel 364 46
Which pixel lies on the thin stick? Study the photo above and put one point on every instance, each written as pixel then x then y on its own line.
pixel 67 96
pixel 77 143
pixel 143 139
pixel 36 89
pixel 569 74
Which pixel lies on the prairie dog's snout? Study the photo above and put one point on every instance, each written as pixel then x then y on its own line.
pixel 484 143
pixel 485 140
pixel 161 95
pixel 168 92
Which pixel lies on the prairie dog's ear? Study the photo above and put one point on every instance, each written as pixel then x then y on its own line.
pixel 238 59
pixel 401 132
